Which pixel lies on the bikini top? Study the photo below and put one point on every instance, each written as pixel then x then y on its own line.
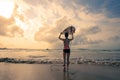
pixel 66 44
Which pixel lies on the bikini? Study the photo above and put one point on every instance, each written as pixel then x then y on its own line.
pixel 66 46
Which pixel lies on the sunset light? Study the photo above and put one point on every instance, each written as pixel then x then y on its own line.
pixel 6 8
pixel 59 39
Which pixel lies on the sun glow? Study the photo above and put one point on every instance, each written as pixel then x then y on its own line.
pixel 6 8
pixel 21 24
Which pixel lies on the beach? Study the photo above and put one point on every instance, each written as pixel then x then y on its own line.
pixel 40 38
pixel 26 64
pixel 11 71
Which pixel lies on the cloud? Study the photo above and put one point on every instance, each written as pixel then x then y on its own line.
pixel 115 38
pixel 8 26
pixel 111 42
pixel 83 17
pixel 49 33
pixel 109 7
pixel 47 18
pixel 94 6
pixel 1 45
pixel 84 39
pixel 91 30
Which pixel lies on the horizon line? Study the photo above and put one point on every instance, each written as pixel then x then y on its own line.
pixel 57 49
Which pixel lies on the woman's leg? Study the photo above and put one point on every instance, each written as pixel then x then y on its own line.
pixel 68 56
pixel 64 58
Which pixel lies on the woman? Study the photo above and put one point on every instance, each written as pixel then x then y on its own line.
pixel 66 50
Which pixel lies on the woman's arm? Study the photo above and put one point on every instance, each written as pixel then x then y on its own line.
pixel 60 36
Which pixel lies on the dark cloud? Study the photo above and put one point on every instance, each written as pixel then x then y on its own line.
pixel 91 30
pixel 114 38
pixel 84 40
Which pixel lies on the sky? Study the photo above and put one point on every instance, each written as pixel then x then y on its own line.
pixel 36 24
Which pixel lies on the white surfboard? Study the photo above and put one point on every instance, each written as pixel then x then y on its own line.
pixel 69 30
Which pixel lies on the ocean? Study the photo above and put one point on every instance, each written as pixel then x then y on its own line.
pixel 52 56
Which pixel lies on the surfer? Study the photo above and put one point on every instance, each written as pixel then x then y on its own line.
pixel 66 50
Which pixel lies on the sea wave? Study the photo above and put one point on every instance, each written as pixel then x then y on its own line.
pixel 54 56
pixel 107 62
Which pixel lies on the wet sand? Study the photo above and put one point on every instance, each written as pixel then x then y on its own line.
pixel 10 71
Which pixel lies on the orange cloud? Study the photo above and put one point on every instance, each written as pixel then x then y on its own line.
pixel 44 19
pixel 8 26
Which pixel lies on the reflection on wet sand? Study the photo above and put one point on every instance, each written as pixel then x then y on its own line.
pixel 66 75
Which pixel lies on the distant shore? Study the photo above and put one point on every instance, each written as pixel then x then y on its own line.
pixel 4 48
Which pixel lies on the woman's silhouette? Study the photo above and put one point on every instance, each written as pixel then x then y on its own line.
pixel 66 50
